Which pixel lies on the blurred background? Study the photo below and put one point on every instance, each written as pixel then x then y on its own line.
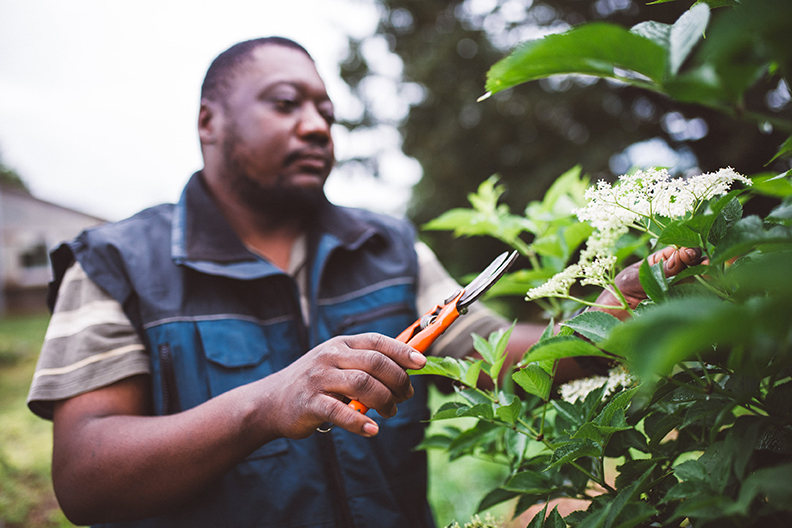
pixel 99 100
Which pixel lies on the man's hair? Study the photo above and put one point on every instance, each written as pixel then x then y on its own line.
pixel 217 82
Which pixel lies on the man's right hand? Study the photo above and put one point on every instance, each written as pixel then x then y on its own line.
pixel 315 389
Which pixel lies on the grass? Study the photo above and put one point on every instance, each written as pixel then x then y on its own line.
pixel 457 487
pixel 26 496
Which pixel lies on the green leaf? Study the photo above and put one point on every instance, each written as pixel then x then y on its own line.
pixel 529 483
pixel 684 34
pixel 539 518
pixel 534 380
pixel 495 497
pixel 783 151
pixel 563 346
pixel 772 184
pixel 619 402
pixel 677 233
pixel 472 374
pixel 509 412
pixel 657 32
pixel 499 340
pixel 571 451
pixel 481 410
pixel 569 412
pixel 450 410
pixel 554 520
pixel 653 280
pixel 447 367
pixel 592 324
pixel 624 497
pixel 749 234
pixel 773 484
pixel 592 49
pixel 485 348
pixel 728 215
pixel 591 431
pixel 781 215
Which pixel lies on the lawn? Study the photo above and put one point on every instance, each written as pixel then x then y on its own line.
pixel 26 496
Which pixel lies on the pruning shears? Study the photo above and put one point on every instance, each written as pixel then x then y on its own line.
pixel 423 332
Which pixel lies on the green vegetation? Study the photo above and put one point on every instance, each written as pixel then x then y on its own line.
pixel 26 496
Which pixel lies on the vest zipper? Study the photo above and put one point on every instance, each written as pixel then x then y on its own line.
pixel 337 487
pixel 170 393
pixel 326 444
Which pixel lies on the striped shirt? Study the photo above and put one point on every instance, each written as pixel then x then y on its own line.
pixel 90 343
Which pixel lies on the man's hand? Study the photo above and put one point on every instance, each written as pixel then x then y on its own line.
pixel 674 261
pixel 113 461
pixel 315 389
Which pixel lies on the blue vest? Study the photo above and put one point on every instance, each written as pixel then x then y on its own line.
pixel 214 316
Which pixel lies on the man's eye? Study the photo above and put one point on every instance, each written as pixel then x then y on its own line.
pixel 285 104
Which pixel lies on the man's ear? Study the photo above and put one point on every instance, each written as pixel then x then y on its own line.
pixel 210 118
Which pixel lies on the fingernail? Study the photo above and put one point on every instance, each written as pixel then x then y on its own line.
pixel 692 253
pixel 418 358
pixel 370 429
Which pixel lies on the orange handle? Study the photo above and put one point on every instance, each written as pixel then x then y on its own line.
pixel 423 339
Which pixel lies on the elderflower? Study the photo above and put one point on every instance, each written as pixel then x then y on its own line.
pixel 633 202
pixel 618 377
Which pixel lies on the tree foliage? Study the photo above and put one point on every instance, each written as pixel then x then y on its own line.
pixel 533 132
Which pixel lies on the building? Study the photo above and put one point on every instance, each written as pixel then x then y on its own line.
pixel 29 229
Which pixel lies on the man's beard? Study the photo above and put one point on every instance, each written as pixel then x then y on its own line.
pixel 279 204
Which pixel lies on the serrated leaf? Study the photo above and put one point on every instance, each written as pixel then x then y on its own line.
pixel 685 33
pixel 571 451
pixel 495 497
pixel 657 32
pixel 528 482
pixel 594 325
pixel 783 150
pixel 563 346
pixel 593 49
pixel 570 413
pixel 509 412
pixel 449 410
pixel 484 347
pixel 447 367
pixel 481 410
pixel 472 374
pixel 590 431
pixel 653 280
pixel 677 233
pixel 499 340
pixel 534 380
pixel 619 402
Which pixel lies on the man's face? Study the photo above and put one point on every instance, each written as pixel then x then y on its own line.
pixel 277 147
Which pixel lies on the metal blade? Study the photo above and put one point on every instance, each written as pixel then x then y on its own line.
pixel 486 279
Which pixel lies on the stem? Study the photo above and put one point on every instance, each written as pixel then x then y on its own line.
pixel 713 289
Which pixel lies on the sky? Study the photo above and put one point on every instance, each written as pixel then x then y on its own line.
pixel 99 99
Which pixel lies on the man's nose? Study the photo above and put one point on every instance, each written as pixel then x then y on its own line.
pixel 313 124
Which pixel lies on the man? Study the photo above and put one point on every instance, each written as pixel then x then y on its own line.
pixel 194 348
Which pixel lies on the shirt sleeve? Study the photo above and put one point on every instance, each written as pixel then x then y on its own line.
pixel 434 286
pixel 90 343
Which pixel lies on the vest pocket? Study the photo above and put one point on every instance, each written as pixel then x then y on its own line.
pixel 237 351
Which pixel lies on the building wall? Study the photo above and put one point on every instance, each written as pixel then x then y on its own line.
pixel 29 229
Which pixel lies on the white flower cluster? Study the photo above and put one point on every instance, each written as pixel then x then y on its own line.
pixel 618 378
pixel 644 194
pixel 613 210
